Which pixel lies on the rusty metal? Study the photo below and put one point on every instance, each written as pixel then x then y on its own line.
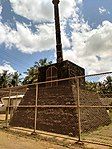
pixel 46 106
pixel 78 108
pixel 87 106
pixel 60 106
pixel 58 33
pixel 16 98
pixel 8 109
pixel 11 108
pixel 36 100
pixel 1 91
pixel 57 80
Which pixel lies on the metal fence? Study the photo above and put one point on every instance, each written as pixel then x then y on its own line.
pixel 80 107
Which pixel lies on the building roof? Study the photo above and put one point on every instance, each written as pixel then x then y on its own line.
pixel 12 97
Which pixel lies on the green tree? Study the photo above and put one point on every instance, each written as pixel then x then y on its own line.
pixel 15 80
pixel 4 79
pixel 92 86
pixel 8 79
pixel 108 84
pixel 42 62
pixel 32 72
pixel 31 75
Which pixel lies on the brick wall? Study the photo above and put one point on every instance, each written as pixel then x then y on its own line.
pixel 60 120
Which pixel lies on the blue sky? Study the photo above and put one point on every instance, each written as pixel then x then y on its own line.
pixel 90 10
pixel 27 33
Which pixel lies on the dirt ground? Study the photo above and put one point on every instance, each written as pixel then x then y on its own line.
pixel 19 138
pixel 12 140
pixel 9 141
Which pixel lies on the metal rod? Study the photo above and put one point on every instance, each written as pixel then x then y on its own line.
pixel 58 33
pixel 78 106
pixel 60 106
pixel 1 91
pixel 46 106
pixel 71 78
pixel 16 98
pixel 8 108
pixel 35 123
pixel 87 106
pixel 11 108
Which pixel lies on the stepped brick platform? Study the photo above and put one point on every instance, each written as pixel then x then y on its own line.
pixel 60 120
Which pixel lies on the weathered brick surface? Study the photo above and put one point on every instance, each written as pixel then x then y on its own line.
pixel 91 118
pixel 4 92
pixel 60 120
pixel 65 69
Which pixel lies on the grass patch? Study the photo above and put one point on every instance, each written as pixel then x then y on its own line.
pixel 102 134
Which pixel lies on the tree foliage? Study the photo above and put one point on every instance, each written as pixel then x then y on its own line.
pixel 32 72
pixel 8 80
pixel 104 87
pixel 12 80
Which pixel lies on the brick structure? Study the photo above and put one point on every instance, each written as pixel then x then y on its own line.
pixel 60 120
pixel 57 71
pixel 4 92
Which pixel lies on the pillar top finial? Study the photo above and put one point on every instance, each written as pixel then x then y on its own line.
pixel 55 2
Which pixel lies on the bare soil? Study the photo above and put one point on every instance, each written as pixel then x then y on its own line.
pixel 10 141
pixel 17 139
pixel 14 141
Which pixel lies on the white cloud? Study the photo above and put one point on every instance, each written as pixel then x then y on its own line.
pixel 92 48
pixel 102 10
pixel 0 9
pixel 0 12
pixel 28 42
pixel 6 67
pixel 34 10
pixel 44 38
pixel 103 77
pixel 42 9
pixel 79 1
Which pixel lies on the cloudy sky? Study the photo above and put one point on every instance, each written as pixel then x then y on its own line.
pixel 27 33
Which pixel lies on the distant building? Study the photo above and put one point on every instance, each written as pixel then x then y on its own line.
pixel 14 100
pixel 1 104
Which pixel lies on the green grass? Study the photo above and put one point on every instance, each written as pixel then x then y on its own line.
pixel 102 134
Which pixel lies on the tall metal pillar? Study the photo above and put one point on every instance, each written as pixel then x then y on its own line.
pixel 58 33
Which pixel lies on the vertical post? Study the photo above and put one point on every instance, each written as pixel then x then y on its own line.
pixel 35 123
pixel 11 108
pixel 78 108
pixel 8 108
pixel 58 33
pixel 16 101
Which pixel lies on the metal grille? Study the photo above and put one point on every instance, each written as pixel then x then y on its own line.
pixel 82 110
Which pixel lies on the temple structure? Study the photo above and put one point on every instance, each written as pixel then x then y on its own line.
pixel 60 120
pixel 61 69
